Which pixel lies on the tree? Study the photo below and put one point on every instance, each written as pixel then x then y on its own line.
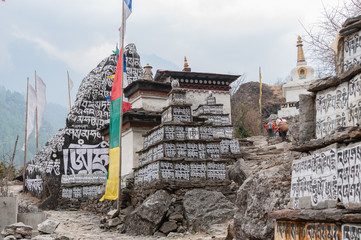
pixel 321 35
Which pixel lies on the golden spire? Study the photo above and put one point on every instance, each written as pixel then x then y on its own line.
pixel 300 56
pixel 185 62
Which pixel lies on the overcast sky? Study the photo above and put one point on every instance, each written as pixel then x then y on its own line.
pixel 230 36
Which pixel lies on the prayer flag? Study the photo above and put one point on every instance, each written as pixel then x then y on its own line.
pixel 40 99
pixel 31 110
pixel 112 187
pixel 111 190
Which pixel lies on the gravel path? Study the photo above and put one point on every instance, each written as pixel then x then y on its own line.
pixel 83 225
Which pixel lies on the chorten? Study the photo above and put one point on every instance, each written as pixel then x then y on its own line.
pixel 301 75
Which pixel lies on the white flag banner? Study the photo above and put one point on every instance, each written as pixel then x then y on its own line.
pixel 31 110
pixel 70 83
pixel 41 99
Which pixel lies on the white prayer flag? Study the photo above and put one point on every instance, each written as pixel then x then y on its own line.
pixel 41 99
pixel 31 110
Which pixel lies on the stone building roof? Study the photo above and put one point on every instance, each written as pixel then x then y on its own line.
pixel 197 80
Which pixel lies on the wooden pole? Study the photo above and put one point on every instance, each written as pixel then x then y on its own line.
pixel 121 109
pixel 12 159
pixel 260 97
pixel 69 91
pixel 36 115
pixel 26 132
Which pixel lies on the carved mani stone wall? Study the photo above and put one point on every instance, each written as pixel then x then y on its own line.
pixel 285 230
pixel 338 107
pixel 352 50
pixel 73 164
pixel 183 150
pixel 328 176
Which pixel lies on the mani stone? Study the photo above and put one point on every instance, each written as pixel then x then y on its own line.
pixel 203 208
pixel 145 219
pixel 48 226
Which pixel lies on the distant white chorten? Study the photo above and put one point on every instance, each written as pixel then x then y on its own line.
pixel 302 75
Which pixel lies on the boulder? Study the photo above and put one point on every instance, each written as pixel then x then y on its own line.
pixel 113 213
pixel 145 219
pixel 203 208
pixel 263 192
pixel 168 227
pixel 114 222
pixel 48 226
pixel 238 172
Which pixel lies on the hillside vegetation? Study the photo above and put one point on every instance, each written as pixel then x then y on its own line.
pixel 245 107
pixel 12 123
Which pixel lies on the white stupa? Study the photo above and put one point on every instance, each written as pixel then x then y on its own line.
pixel 302 75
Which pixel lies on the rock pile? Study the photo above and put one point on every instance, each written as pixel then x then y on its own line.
pixel 17 231
pixel 21 231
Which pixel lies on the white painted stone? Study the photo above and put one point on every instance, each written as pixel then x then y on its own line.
pixel 352 50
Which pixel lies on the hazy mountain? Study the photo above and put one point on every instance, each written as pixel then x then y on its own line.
pixel 158 63
pixel 12 123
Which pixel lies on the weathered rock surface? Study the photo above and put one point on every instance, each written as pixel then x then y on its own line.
pixel 238 172
pixel 266 191
pixel 203 208
pixel 145 219
pixel 168 227
pixel 48 226
pixel 17 230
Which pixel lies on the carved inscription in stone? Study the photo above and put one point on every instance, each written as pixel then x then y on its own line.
pixel 83 158
pixel 170 150
pixel 169 132
pixel 202 151
pixel 216 171
pixel 206 132
pixel 167 115
pixel 285 230
pixel 352 50
pixel 179 132
pixel 331 107
pixel 351 231
pixel 34 185
pixel 181 150
pixel 181 114
pixel 193 132
pixel 167 170
pixel 213 150
pixel 192 150
pixel 225 146
pixel 234 146
pixel 198 170
pixel 348 174
pixel 315 176
pixel 181 171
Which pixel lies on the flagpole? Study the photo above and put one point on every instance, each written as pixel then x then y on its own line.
pixel 121 111
pixel 26 131
pixel 36 116
pixel 260 97
pixel 69 92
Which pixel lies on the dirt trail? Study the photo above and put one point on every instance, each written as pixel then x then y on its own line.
pixel 83 225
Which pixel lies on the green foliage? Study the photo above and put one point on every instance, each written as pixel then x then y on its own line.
pixel 241 131
pixel 12 124
pixel 4 171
